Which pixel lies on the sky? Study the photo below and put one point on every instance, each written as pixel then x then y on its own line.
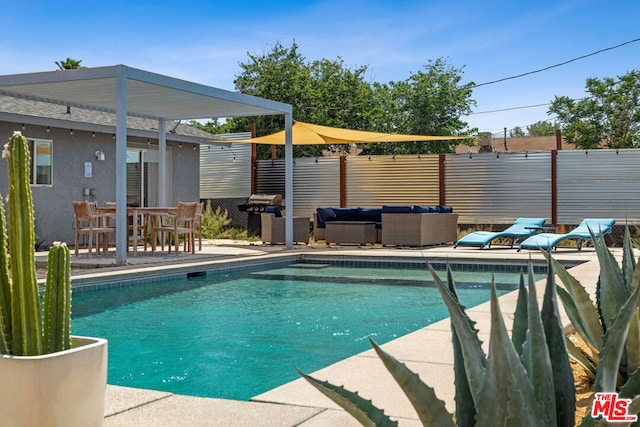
pixel 205 41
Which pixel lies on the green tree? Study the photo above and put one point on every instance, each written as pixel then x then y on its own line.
pixel 609 117
pixel 69 64
pixel 542 128
pixel 326 92
pixel 429 102
pixel 516 132
pixel 323 92
pixel 213 126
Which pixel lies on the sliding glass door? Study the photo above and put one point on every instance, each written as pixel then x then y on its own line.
pixel 142 177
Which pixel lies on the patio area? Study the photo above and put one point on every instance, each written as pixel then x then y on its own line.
pixel 297 403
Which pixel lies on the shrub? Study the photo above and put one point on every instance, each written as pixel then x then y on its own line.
pixel 525 380
pixel 610 327
pixel 216 224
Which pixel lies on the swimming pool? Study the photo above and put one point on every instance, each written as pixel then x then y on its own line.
pixel 236 335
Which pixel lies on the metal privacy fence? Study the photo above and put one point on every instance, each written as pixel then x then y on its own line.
pixel 484 188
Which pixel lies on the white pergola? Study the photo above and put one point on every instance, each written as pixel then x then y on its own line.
pixel 127 91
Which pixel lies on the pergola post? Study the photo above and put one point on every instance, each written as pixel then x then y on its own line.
pixel 288 180
pixel 162 162
pixel 121 166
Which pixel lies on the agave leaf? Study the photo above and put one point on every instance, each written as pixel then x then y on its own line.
pixel 535 357
pixel 472 353
pixel 564 387
pixel 519 332
pixel 628 260
pixel 586 318
pixel 588 421
pixel 632 387
pixel 614 342
pixel 634 406
pixel 465 409
pixel 361 409
pixel 506 397
pixel 430 409
pixel 581 359
pixel 576 320
pixel 612 291
pixel 633 345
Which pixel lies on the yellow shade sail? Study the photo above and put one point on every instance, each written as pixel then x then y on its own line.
pixel 310 134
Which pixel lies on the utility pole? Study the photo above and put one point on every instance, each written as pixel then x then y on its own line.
pixel 506 147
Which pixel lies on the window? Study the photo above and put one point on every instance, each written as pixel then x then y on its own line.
pixel 40 162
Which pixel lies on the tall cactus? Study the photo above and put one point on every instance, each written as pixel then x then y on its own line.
pixel 21 318
pixel 57 300
pixel 5 287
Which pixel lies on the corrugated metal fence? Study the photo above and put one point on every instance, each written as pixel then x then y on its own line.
pixel 598 184
pixel 487 188
pixel 225 170
pixel 482 187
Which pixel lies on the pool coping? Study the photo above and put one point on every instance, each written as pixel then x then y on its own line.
pixel 297 403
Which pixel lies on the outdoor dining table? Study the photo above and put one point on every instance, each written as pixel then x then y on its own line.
pixel 138 214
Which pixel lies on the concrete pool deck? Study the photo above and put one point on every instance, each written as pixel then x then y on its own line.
pixel 427 351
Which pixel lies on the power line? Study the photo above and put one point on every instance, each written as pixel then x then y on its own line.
pixel 510 109
pixel 556 65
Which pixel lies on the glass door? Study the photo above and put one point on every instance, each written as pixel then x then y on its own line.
pixel 142 177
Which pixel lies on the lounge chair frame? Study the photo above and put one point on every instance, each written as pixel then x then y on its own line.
pixel 522 228
pixel 581 234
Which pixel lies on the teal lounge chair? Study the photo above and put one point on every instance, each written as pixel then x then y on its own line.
pixel 523 227
pixel 581 233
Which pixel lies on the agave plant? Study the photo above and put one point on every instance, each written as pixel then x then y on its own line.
pixel 525 380
pixel 26 329
pixel 610 327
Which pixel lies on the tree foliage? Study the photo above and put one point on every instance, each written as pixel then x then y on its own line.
pixel 542 128
pixel 69 64
pixel 429 102
pixel 516 132
pixel 327 92
pixel 323 92
pixel 609 117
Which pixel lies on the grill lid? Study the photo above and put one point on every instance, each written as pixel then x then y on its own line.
pixel 265 199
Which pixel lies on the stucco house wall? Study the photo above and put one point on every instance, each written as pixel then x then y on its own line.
pixel 71 151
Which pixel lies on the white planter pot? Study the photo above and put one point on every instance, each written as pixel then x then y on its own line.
pixel 66 388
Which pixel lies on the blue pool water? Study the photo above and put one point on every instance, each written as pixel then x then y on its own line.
pixel 235 336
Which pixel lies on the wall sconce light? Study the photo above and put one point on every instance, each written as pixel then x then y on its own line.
pixel 48 129
pixel 113 136
pixel 195 148
pixel 100 156
pixel 93 134
pixel 70 131
pixel 23 126
pixel 180 145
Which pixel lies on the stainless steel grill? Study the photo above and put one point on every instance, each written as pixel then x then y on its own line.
pixel 256 204
pixel 265 200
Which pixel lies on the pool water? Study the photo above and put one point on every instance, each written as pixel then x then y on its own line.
pixel 235 336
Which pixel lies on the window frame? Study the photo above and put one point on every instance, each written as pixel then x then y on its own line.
pixel 33 144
